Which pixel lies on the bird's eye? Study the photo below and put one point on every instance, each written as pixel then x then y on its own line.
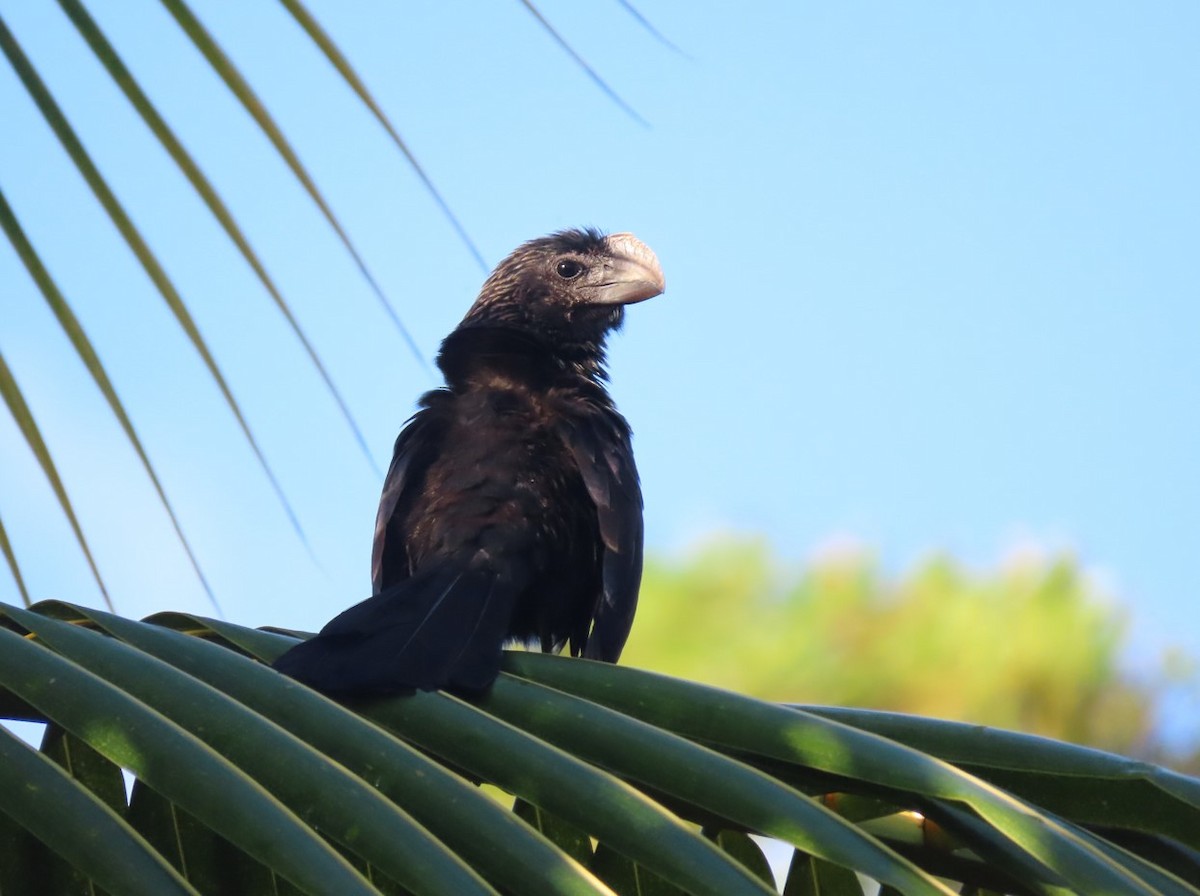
pixel 568 269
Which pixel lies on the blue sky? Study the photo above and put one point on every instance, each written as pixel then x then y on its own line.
pixel 931 270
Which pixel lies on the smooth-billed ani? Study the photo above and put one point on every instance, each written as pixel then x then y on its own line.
pixel 511 511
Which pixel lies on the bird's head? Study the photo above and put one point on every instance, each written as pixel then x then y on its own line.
pixel 570 287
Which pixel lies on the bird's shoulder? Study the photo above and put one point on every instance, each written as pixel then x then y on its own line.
pixel 599 441
pixel 590 425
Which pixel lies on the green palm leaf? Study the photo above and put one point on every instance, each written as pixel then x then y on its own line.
pixel 19 408
pixel 774 734
pixel 87 353
pixel 140 244
pixel 241 89
pixel 13 567
pixel 335 56
pixel 592 74
pixel 287 769
pixel 1088 785
pixel 108 56
pixel 45 800
pixel 440 800
pixel 129 232
pixel 628 782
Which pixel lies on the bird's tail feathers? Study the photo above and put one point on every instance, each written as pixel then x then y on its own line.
pixel 439 629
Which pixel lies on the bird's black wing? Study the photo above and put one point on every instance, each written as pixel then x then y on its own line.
pixel 598 438
pixel 416 448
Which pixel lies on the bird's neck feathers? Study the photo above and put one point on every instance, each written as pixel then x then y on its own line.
pixel 480 352
pixel 518 297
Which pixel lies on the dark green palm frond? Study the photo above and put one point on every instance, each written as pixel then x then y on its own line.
pixel 625 781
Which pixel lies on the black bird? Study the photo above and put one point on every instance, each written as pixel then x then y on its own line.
pixel 512 510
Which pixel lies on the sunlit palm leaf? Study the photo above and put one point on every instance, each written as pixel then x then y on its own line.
pixel 645 23
pixel 13 567
pixel 456 812
pixel 314 30
pixel 87 354
pixel 130 732
pixel 361 820
pixel 582 63
pixel 180 711
pixel 778 734
pixel 241 89
pixel 1087 785
pixel 588 797
pixel 680 769
pixel 133 238
pixel 543 776
pixel 137 97
pixel 19 409
pixel 213 53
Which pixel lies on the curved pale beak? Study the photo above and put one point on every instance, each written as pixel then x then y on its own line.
pixel 632 275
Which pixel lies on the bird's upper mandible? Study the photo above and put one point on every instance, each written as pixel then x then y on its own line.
pixel 630 273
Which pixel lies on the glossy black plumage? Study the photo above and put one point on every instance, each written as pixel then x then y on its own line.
pixel 512 510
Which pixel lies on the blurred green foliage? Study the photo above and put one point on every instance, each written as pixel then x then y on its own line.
pixel 1034 645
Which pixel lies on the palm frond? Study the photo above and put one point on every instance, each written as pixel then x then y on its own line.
pixel 592 74
pixel 70 141
pixel 19 408
pixel 339 61
pixel 627 782
pixel 87 353
pixel 240 87
pixel 124 79
pixel 650 29
pixel 10 558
